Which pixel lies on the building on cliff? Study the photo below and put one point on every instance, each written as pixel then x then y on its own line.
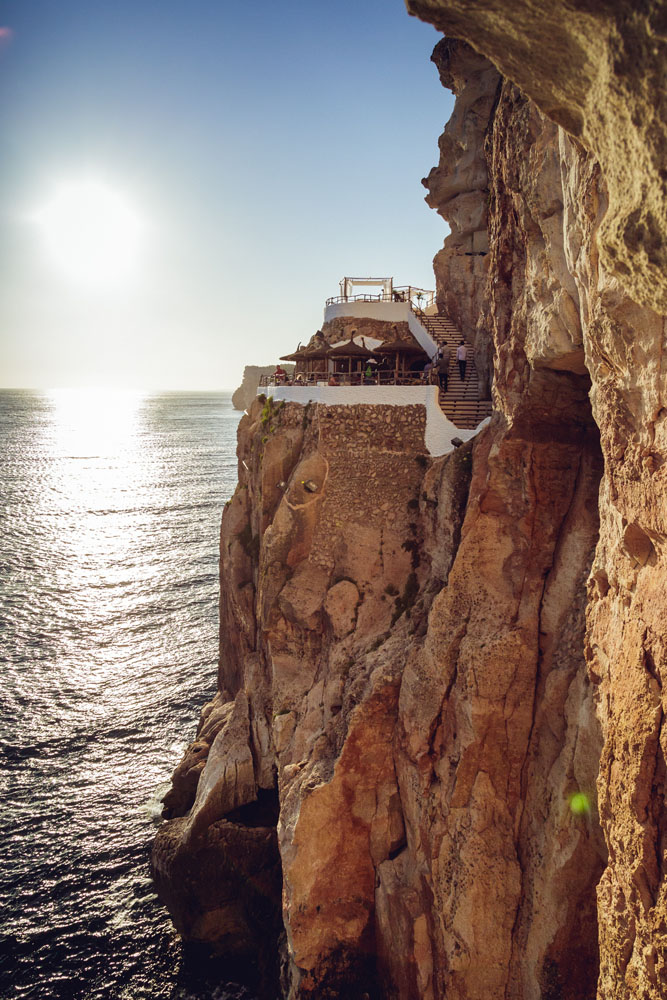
pixel 372 349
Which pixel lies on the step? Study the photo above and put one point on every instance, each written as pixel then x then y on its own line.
pixel 460 403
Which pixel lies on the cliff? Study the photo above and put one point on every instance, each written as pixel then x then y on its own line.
pixel 246 392
pixel 435 767
pixel 591 272
pixel 459 191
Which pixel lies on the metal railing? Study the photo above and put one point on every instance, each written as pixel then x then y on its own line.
pixel 402 293
pixel 354 378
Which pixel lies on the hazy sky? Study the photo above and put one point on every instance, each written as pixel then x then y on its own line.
pixel 264 150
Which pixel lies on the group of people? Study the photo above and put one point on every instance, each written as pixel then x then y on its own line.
pixel 439 365
pixel 280 377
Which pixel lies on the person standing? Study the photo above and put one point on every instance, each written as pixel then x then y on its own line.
pixel 462 357
pixel 444 355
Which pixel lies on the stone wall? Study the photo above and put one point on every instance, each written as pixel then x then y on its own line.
pixel 342 328
pixel 351 315
pixel 439 432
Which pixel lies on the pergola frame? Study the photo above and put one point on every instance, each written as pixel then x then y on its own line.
pixel 347 284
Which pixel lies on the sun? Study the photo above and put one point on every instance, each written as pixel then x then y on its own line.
pixel 92 232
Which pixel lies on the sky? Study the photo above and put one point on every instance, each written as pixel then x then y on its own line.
pixel 250 155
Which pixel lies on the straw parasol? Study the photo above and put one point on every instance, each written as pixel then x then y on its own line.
pixel 398 349
pixel 298 355
pixel 352 352
pixel 314 354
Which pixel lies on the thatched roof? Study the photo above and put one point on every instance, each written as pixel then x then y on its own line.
pixel 314 354
pixel 298 355
pixel 350 350
pixel 400 347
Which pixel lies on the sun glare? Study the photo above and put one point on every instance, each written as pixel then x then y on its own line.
pixel 92 233
pixel 94 421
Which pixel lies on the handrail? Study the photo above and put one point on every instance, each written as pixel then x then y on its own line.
pixel 354 378
pixel 400 293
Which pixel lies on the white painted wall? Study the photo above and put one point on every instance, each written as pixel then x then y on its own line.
pixel 390 312
pixel 439 430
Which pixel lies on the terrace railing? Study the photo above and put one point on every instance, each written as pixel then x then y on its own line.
pixel 354 378
pixel 418 298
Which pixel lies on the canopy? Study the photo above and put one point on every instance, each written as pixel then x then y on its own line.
pixel 399 347
pixel 298 355
pixel 314 354
pixel 350 350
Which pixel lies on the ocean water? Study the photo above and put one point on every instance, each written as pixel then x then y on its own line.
pixel 110 507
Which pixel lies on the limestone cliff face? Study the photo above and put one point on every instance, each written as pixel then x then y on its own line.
pixel 329 564
pixel 435 767
pixel 459 190
pixel 597 70
pixel 577 237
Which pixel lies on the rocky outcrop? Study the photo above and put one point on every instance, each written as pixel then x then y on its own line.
pixel 344 327
pixel 597 70
pixel 446 676
pixel 216 864
pixel 604 244
pixel 459 190
pixel 382 670
pixel 325 565
pixel 246 392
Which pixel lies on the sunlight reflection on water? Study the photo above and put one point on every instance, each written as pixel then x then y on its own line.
pixel 108 627
pixel 94 422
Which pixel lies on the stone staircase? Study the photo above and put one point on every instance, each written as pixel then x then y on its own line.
pixel 461 403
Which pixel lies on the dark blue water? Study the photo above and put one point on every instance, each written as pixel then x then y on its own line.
pixel 109 516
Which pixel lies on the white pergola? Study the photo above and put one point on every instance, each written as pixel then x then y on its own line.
pixel 348 284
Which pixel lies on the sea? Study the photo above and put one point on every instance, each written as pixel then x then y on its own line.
pixel 110 506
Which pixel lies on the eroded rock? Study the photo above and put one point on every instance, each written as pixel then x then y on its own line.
pixel 454 671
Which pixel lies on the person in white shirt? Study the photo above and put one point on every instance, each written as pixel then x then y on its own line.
pixel 462 357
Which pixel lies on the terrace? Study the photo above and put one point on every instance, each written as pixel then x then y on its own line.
pixel 390 336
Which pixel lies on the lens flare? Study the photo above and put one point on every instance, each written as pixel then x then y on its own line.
pixel 580 804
